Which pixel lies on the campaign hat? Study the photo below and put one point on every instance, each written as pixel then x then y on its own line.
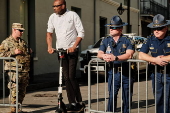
pixel 116 21
pixel 158 21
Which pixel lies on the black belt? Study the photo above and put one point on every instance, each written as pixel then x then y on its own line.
pixel 117 69
pixel 159 69
pixel 163 71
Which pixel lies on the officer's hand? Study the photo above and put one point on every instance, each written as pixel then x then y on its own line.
pixel 108 57
pixel 105 57
pixel 17 51
pixel 159 61
pixel 50 50
pixel 111 57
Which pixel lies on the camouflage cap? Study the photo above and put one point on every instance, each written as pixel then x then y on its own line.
pixel 17 26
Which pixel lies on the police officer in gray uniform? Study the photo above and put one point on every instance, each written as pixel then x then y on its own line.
pixel 159 45
pixel 115 49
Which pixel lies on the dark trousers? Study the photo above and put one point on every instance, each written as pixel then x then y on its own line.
pixel 160 92
pixel 69 63
pixel 125 91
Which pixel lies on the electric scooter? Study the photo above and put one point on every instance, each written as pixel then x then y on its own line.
pixel 61 107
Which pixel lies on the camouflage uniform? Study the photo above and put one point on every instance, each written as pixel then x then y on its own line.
pixel 7 48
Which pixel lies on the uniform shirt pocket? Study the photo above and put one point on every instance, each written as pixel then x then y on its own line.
pixel 167 51
pixel 122 50
pixel 153 50
pixel 69 24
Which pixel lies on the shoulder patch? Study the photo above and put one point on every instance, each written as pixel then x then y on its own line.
pixel 132 41
pixel 101 43
pixel 145 41
pixel 105 38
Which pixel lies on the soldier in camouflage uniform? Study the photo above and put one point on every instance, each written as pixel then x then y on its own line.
pixel 14 46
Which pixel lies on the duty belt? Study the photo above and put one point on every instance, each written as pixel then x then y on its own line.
pixel 117 69
pixel 160 69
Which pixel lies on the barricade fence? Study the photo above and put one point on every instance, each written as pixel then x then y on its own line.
pixel 6 78
pixel 139 88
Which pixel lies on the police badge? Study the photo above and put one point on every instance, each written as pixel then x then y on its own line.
pixel 123 45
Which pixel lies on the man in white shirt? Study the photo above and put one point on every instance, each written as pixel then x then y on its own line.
pixel 69 33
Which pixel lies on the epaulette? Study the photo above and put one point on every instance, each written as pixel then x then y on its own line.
pixel 126 36
pixel 150 36
pixel 107 36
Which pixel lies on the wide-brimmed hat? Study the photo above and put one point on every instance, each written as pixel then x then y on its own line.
pixel 17 26
pixel 116 21
pixel 158 21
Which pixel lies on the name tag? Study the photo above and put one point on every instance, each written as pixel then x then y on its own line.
pixel 168 44
pixel 151 47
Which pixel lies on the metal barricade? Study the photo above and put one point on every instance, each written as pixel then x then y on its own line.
pixel 4 102
pixel 143 100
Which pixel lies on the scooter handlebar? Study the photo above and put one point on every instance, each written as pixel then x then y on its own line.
pixel 60 50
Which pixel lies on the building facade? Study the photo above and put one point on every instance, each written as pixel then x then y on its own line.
pixel 34 14
pixel 149 8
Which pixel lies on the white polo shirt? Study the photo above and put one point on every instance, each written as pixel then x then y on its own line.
pixel 67 28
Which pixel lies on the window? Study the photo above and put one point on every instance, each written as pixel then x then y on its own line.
pixel 103 29
pixel 77 10
pixel 125 2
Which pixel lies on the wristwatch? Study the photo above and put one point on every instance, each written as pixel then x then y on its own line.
pixel 116 58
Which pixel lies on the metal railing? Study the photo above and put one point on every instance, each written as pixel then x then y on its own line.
pixel 4 102
pixel 142 100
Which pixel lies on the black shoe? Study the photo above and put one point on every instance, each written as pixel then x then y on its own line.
pixel 76 109
pixel 80 107
pixel 71 108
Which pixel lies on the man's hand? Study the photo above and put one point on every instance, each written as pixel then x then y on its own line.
pixel 108 57
pixel 159 61
pixel 17 51
pixel 71 49
pixel 50 50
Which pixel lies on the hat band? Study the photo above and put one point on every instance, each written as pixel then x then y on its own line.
pixel 115 25
pixel 157 25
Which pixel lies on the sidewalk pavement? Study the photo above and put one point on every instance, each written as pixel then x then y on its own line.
pixel 42 95
pixel 42 81
pixel 45 82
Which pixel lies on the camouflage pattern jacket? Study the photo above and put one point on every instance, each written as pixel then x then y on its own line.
pixel 7 48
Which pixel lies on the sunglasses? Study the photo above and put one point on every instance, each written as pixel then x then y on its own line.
pixel 57 5
pixel 158 28
pixel 115 27
pixel 20 30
